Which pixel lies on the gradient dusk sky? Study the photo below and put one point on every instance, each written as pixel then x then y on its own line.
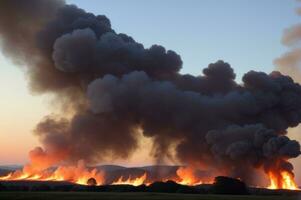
pixel 245 33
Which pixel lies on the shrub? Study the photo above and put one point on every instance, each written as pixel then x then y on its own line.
pixel 2 187
pixel 226 185
pixel 168 187
pixel 91 182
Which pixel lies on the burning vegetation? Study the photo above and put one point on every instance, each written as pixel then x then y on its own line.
pixel 76 174
pixel 284 181
pixel 91 176
pixel 111 87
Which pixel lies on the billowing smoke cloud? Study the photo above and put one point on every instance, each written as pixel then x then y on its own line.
pixel 116 87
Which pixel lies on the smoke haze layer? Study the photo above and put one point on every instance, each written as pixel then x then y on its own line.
pixel 289 63
pixel 116 87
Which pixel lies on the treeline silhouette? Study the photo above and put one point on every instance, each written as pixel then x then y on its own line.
pixel 221 185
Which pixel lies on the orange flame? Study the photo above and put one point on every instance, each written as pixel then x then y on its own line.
pixel 76 174
pixel 80 174
pixel 187 176
pixel 135 181
pixel 284 180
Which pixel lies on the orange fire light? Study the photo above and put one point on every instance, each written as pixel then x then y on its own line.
pixel 284 180
pixel 187 176
pixel 76 174
pixel 131 181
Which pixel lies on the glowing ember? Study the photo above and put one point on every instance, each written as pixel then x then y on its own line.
pixel 187 176
pixel 135 181
pixel 76 174
pixel 284 180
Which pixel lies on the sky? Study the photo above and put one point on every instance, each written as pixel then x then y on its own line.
pixel 245 33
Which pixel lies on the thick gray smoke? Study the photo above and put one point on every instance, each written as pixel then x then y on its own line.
pixel 116 86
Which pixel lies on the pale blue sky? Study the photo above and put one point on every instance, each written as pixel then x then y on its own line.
pixel 245 33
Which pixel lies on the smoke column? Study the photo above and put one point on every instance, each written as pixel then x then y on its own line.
pixel 112 86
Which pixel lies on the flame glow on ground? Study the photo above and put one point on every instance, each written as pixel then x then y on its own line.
pixel 80 174
pixel 283 181
pixel 132 181
pixel 76 174
pixel 187 176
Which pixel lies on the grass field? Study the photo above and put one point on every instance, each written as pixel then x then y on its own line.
pixel 128 196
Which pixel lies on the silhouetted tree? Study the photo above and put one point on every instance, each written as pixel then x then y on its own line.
pixel 2 187
pixel 169 187
pixel 226 185
pixel 91 182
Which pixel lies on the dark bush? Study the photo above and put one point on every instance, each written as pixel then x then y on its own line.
pixel 118 188
pixel 91 182
pixel 15 188
pixel 41 188
pixel 168 187
pixel 63 188
pixel 188 190
pixel 2 187
pixel 226 185
pixel 141 188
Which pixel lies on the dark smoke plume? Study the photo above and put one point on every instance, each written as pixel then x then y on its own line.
pixel 116 87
